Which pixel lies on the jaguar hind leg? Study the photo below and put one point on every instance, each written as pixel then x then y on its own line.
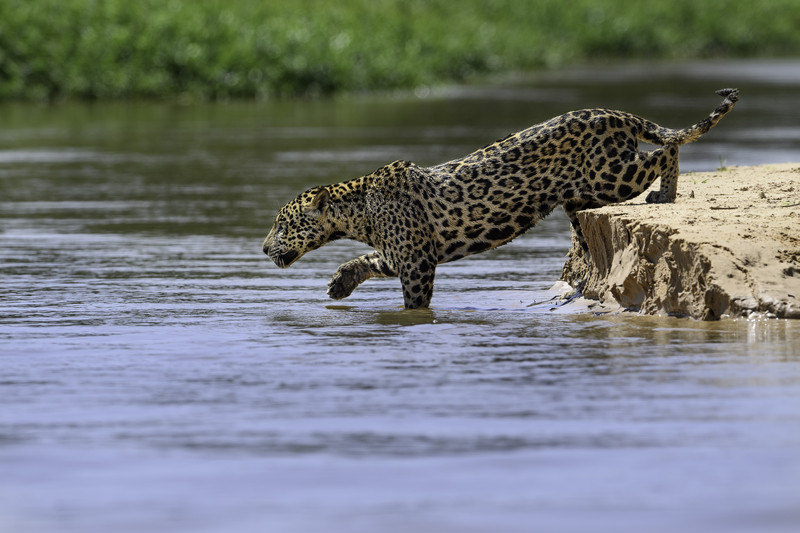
pixel 572 207
pixel 668 171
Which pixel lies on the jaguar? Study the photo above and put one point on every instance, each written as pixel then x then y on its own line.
pixel 416 218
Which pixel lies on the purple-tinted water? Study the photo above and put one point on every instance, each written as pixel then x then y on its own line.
pixel 157 373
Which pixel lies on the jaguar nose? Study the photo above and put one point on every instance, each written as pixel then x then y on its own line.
pixel 265 247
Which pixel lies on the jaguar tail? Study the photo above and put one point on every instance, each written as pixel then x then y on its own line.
pixel 655 134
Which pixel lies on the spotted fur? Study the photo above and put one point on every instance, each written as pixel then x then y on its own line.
pixel 416 218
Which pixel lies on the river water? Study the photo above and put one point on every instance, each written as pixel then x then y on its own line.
pixel 158 373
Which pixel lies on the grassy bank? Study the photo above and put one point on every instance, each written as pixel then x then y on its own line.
pixel 206 49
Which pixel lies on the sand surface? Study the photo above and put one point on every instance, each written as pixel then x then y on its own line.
pixel 728 246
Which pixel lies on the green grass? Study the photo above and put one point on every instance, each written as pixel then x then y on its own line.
pixel 211 49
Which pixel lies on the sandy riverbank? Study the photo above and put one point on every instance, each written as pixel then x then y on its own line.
pixel 728 246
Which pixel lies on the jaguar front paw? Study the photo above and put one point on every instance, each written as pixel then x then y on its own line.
pixel 343 283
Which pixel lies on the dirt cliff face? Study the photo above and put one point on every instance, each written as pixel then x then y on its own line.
pixel 728 246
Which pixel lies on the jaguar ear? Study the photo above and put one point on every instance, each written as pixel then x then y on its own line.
pixel 319 202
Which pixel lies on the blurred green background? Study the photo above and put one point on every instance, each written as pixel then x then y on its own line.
pixel 217 49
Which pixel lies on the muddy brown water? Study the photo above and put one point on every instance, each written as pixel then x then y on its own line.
pixel 158 373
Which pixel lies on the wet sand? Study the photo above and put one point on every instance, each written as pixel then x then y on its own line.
pixel 728 247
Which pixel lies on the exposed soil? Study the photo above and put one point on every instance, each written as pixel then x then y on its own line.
pixel 728 246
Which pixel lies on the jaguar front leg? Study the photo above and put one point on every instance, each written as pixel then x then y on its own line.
pixel 353 273
pixel 416 277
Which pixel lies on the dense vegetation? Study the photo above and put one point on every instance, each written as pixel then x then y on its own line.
pixel 207 49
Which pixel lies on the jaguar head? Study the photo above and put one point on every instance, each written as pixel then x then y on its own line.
pixel 300 226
